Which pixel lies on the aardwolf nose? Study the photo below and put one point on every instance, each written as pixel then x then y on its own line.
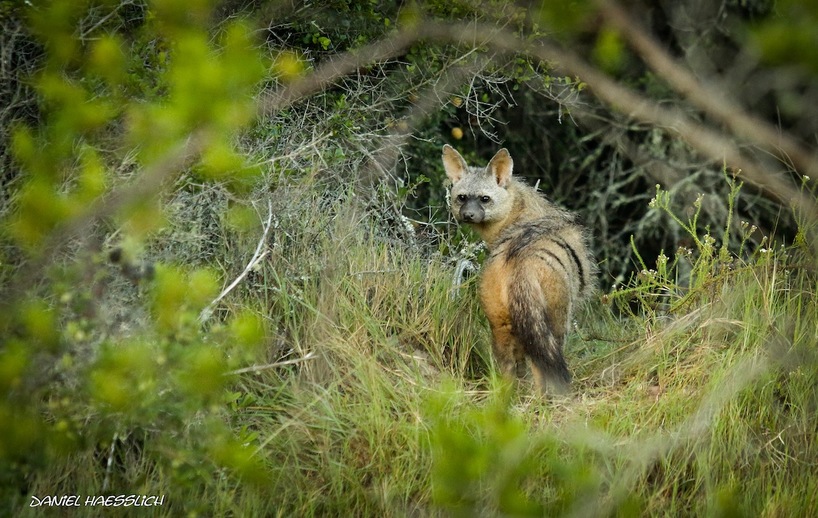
pixel 471 212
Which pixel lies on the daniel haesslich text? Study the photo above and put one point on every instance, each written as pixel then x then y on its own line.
pixel 94 500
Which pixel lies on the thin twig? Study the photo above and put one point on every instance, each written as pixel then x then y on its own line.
pixel 110 463
pixel 258 255
pixel 336 68
pixel 256 368
pixel 463 266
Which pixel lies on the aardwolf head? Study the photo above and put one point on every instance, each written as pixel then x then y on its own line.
pixel 479 195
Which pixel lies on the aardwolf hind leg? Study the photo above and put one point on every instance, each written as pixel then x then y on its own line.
pixel 507 352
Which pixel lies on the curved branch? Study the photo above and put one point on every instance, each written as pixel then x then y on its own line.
pixel 334 69
pixel 710 143
pixel 707 96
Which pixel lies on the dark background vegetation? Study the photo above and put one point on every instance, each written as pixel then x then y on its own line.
pixel 583 155
pixel 148 148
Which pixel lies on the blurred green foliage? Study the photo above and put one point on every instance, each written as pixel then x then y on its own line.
pixel 487 461
pixel 788 37
pixel 481 458
pixel 64 385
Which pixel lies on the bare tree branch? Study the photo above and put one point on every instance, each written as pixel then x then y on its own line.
pixel 257 368
pixel 711 143
pixel 707 96
pixel 334 69
pixel 147 185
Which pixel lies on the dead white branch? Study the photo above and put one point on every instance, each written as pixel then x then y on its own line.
pixel 256 368
pixel 258 255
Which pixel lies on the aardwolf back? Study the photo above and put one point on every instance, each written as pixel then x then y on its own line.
pixel 539 266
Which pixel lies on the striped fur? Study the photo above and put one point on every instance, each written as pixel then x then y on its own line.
pixel 539 266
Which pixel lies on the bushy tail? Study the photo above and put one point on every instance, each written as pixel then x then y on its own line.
pixel 540 330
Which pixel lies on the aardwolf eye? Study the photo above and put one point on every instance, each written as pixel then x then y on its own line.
pixel 485 199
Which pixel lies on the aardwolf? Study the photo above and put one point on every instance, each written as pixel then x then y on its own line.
pixel 539 266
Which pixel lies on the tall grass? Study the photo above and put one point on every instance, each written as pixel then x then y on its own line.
pixel 376 396
pixel 699 405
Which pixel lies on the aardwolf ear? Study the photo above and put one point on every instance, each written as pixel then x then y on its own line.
pixel 453 163
pixel 500 167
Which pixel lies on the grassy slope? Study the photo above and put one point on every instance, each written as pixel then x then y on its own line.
pixel 705 405
pixel 707 408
